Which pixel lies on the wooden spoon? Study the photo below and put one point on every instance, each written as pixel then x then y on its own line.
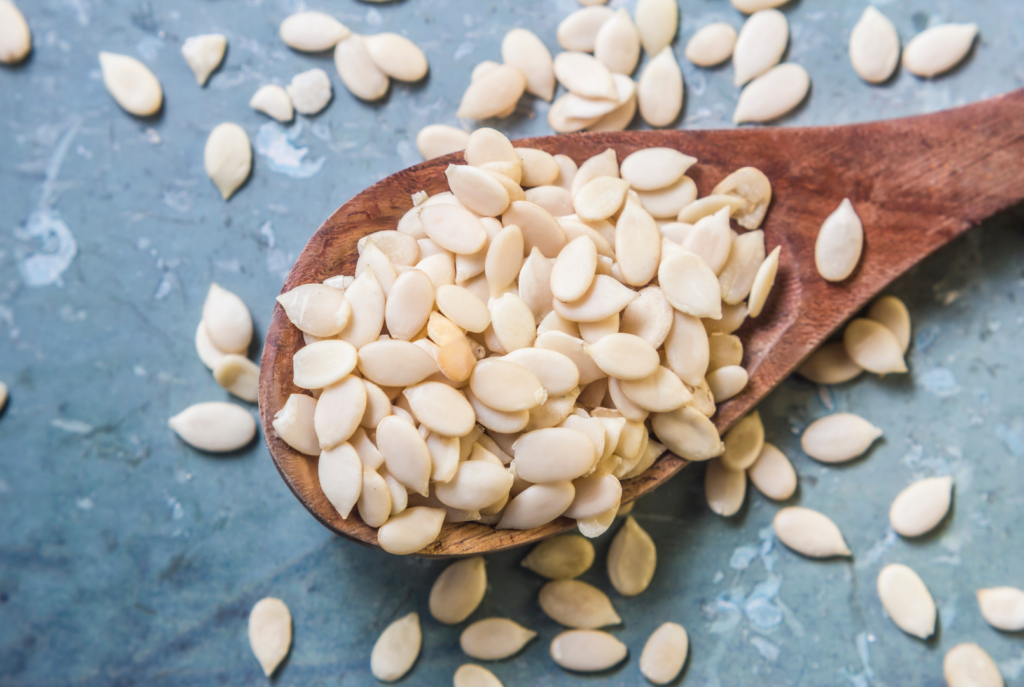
pixel 916 183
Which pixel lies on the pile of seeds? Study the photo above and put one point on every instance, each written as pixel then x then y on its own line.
pixel 502 354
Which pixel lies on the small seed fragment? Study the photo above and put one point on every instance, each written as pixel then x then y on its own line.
pixel 764 280
pixel 561 558
pixel 632 559
pixel 829 365
pixel 204 54
pixel 15 36
pixel 273 100
pixel 664 654
pixel 537 505
pixel 772 94
pixel 838 438
pixel 873 346
pixel 215 427
pixel 493 639
pixel 711 45
pixel 595 527
pixel 649 317
pixel 397 648
pixel 690 285
pixel 874 47
pixel 760 45
pixel 660 89
pixel 938 49
pixel 839 244
pixel 810 533
pixel 270 633
pixel 773 474
pixel 310 91
pixel 891 312
pixel 587 651
pixel 617 44
pixel 294 424
pixel 357 69
pixel 131 84
pixel 470 675
pixel 397 56
pixel 724 488
pixel 1002 608
pixel 920 508
pixel 523 50
pixel 907 600
pixel 577 604
pixel 239 375
pixel 968 665
pixel 578 31
pixel 312 31
pixel 753 187
pixel 227 158
pixel 436 140
pixel 688 433
pixel 494 94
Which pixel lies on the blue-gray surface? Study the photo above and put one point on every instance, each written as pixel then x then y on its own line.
pixel 127 558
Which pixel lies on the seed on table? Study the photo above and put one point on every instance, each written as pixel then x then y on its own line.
pixel 227 157
pixel 649 317
pixel 396 56
pixel 458 590
pixel 397 648
pixel 469 675
pixel 839 244
pixel 578 31
pixel 617 44
pixel 273 101
pixel 605 297
pixel 760 45
pixel 624 356
pixel 660 89
pixel 907 600
pixel 891 312
pixel 838 438
pixel 577 604
pixel 312 31
pixel 773 474
pixel 435 140
pixel 238 375
pixel 632 559
pixel 587 651
pixel 203 54
pixel 690 286
pixel 310 91
pixel 753 187
pixel 270 633
pixel 920 508
pixel 810 533
pixel 743 443
pixel 772 94
pixel 968 665
pixel 537 505
pixel 340 474
pixel 726 382
pixel 294 424
pixel 494 94
pixel 561 558
pixel 688 433
pixel 215 427
pixel 1002 608
pixel 711 45
pixel 15 38
pixel 872 346
pixel 657 22
pixel 523 50
pixel 938 49
pixel 493 639
pixel 737 277
pixel 764 280
pixel 314 308
pixel 874 47
pixel 829 365
pixel 724 488
pixel 584 75
pixel 711 239
pixel 360 74
pixel 664 654
pixel 129 82
pixel 339 411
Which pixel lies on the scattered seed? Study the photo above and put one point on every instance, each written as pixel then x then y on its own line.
pixel 226 320
pixel 657 22
pixel 617 45
pixel 938 49
pixel 357 69
pixel 537 505
pixel 664 654
pixel 772 94
pixel 553 454
pixel 709 205
pixel 711 239
pixel 874 47
pixel 829 365
pixel 436 140
pixel 493 639
pixel 650 169
pixel 3 396
pixel 584 75
pixel 577 604
pixel 411 530
pixel 743 443
pixel 690 286
pixel 632 559
pixel 920 508
pixel 130 82
pixel 561 558
pixel 724 488
pixel 666 203
pixel 238 375
pixel 587 651
pixel 310 91
pixel 272 100
pixel 891 312
pixel 314 308
pixel 764 280
pixel 15 36
pixel 750 6
pixel 578 31
pixel 294 424
pixel 1002 608
pixel 810 533
pixel 907 601
pixel 873 346
pixel 773 474
pixel 660 89
pixel 396 56
pixel 215 427
pixel 760 45
pixel 839 244
pixel 270 633
pixel 838 438
pixel 523 50
pixel 312 31
pixel 397 648
pixel 494 94
pixel 470 675
pixel 688 433
pixel 204 54
pixel 228 157
pixel 711 45
pixel 968 665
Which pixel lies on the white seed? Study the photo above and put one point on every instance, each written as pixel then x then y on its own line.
pixel 764 280
pixel 239 375
pixel 838 438
pixel 553 322
pixel 3 395
pixel 809 532
pixel 726 349
pixel 506 422
pixel 649 317
pixel 577 604
pixel 538 167
pixel 617 44
pixel 703 400
pixel 572 348
pixel 874 47
pixel 711 45
pixel 340 473
pixel 920 508
pixel 743 443
pixel 690 286
pixel 760 45
pixel 650 169
pixel 1002 608
pixel 773 94
pixel 373 259
pixel 15 36
pixel 662 392
pixel 339 410
pixel 687 349
pixel 366 301
pixel 624 356
pixel 208 352
pixel 454 228
pixel 584 75
pixel 773 474
pixel 399 501
pixel 405 453
pixel 270 633
pixel 660 89
pixel 567 166
pixel 312 31
pixel 556 372
pixel 506 386
pixel 540 230
pixel 938 49
pixel 595 527
pixel 494 94
pixel 657 22
pixel 374 503
pixel 294 424
pixel 493 639
pixel 667 202
pixel 397 648
pixel 907 601
pixel 537 505
pixel 750 6
pixel 891 312
pixel 839 244
pixel 595 494
pixel 441 408
pixel 587 651
pixel 478 190
pixel 310 91
pixel 753 187
pixel 458 590
pixel 664 654
pixel 632 559
pixel 215 427
pixel 579 112
pixel 357 69
pixel 444 455
pixel 873 346
pixel 605 297
pixel 740 271
pixel 227 158
pixel 709 205
pixel 411 530
pixel 470 675
pixel 476 485
pixel 273 100
pixel 436 140
pixel 396 56
pixel 130 82
pixel 314 308
pixel 523 50
pixel 553 454
pixel 561 558
pixel 829 365
pixel 604 164
pixel 968 665
pixel 555 199
pixel 204 54
pixel 489 145
pixel 513 322
pixel 688 433
pixel 711 239
pixel 651 453
pixel 400 248
pixel 460 306
pixel 600 198
pixel 637 245
pixel 578 31
pixel 724 488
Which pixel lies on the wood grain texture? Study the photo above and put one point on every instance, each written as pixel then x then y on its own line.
pixel 916 184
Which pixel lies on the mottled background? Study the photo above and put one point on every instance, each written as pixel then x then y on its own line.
pixel 127 558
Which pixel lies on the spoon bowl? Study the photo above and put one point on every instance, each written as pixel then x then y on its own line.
pixel 916 183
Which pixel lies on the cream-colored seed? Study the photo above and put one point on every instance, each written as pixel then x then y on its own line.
pixel 604 164
pixel 477 190
pixel 458 590
pixel 577 604
pixel 764 280
pixel 574 269
pixel 724 488
pixel 357 69
pixel 294 424
pixel 660 89
pixel 315 309
pixel 555 199
pixel 476 485
pixel 920 508
pixel 444 456
pixel 374 503
pixel 891 312
pixel 573 349
pixel 539 228
pixel 829 365
pixel 773 474
pixel 397 56
pixel 938 49
pixel 810 533
pixel 711 45
pixel 537 505
pixel 662 392
pixel 561 558
pixel 650 454
pixel 239 375
pixel 907 600
pixel 555 322
pixel 743 443
pixel 397 648
pixel 273 100
pixel 411 530
pixel 587 651
pixel 494 94
pixel 703 400
pixel 506 422
pixel 514 190
pixel 366 299
pixel 405 453
pixel 441 408
pixel 15 36
pixel 204 54
pixel 637 245
pixel 578 31
pixel 454 228
pixel 740 271
pixel 753 187
pixel 409 305
pixel 312 31
pixel 772 94
pixel 838 438
pixel 523 50
pixel 310 91
pixel 538 167
pixel 664 654
pixel 595 527
pixel 556 372
pixel 400 248
pixel 489 145
pixel 463 308
pixel 270 633
pixel 395 363
pixel 649 317
pixel 513 322
pixel 725 349
pixel 657 22
pixel 373 259
pixel 605 297
pixel 760 45
pixel 595 494
pixel 584 75
pixel 688 433
pixel 567 168
pixel 130 82
pixel 711 239
pixel 1002 608
pixel 751 6
pixel 208 352
pixel 340 473
pixel 214 427
pixel 506 386
pixel 323 363
pixel 968 665
pixel 339 410
pixel 493 639
pixel 3 395
pixel 617 44
pixel 227 157
pixel 872 346
pixel 632 559
pixel 368 454
pixel 553 454
pixel 708 205
pixel 666 203
pixel 470 675
pixel 874 47
pixel 600 198
pixel 690 286
pixel 436 140
pixel 624 356
pixel 839 244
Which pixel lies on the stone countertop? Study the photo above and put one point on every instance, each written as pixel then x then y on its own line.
pixel 128 558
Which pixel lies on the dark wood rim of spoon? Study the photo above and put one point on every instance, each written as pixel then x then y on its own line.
pixel 916 184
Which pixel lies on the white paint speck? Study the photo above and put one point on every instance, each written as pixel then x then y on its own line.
pixel 84 503
pixel 71 426
pixel 276 143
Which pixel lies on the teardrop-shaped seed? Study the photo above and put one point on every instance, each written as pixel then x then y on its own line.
pixel 773 94
pixel 584 75
pixel 215 427
pixel 470 675
pixel 664 654
pixel 595 494
pixel 493 639
pixel 537 505
pixel 637 245
pixel 397 648
pixel 725 349
pixel 938 49
pixel 323 363
pixel 726 382
pixel 711 45
pixel 489 145
pixel 920 508
pixel 764 280
pixel 624 356
pixel 436 140
pixel 577 604
pixel 891 312
pixel 357 69
pixel 409 304
pixel 874 47
pixel 660 89
pixel 340 473
pixel 476 485
pixel 539 228
pixel 554 199
pixel 373 259
pixel 339 411
pixel 556 372
pixel 411 530
pixel 270 633
pixel 506 422
pixel 3 395
pixel 238 375
pixel 441 408
pixel 204 54
pixel 494 94
pixel 208 352
pixel 131 84
pixel 600 198
pixel 872 346
pixel 523 50
pixel 687 349
pixel 968 665
pixel 690 285
pixel 662 392
pixel 458 590
pixel 760 45
pixel 312 31
pixel 829 365
pixel 743 443
pixel 477 190
pixel 724 488
pixel 604 164
pixel 395 363
pixel 227 157
pixel 538 167
pixel 513 322
pixel 294 424
pixel 617 44
pixel 650 169
pixel 315 309
pixel 838 438
pixel 405 453
pixel 907 600
pixel 1002 608
pixel 561 558
pixel 553 454
pixel 632 559
pixel 665 203
pixel 657 22
pixel 750 6
pixel 688 433
pixel 587 651
pixel 711 239
pixel 809 532
pixel 506 386
pixel 463 308
pixel 504 259
pixel 396 56
pixel 367 302
pixel 708 205
pixel 16 38
pixel 740 271
pixel 605 297
pixel 840 240
pixel 574 269
pixel 374 499
pixel 595 527
pixel 578 31
pixel 773 474
pixel 454 228
pixel 649 317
